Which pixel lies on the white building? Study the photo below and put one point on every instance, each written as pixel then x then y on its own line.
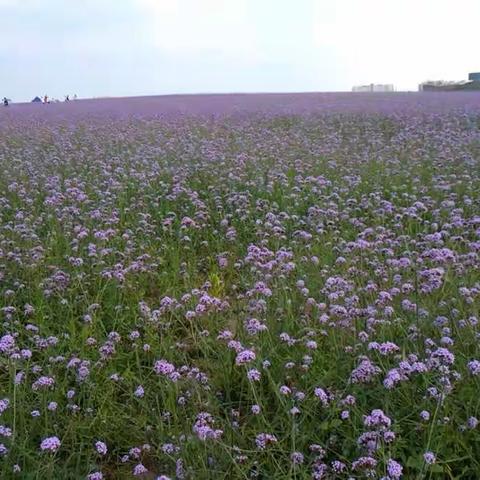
pixel 386 87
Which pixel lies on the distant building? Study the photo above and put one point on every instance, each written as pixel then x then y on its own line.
pixel 473 83
pixel 377 88
pixel 37 100
pixel 431 85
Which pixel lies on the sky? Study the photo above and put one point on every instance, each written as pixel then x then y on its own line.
pixel 100 48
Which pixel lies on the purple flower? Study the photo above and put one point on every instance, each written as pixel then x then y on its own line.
pixel 425 415
pixel 5 431
pixel 139 470
pixel 474 367
pixel 169 448
pixel 52 444
pixel 263 440
pixel 203 427
pixel 338 467
pixel 244 357
pixel 322 395
pixel 444 356
pixel 162 367
pixel 376 419
pixel 95 476
pixel 139 392
pixel 472 422
pixel 4 403
pixel 101 447
pixel 297 458
pixel 254 375
pixel 394 469
pixel 43 383
pixel 179 471
pixel 253 326
pixel 364 463
pixel 7 343
pixel 429 458
pixel 386 348
pixel 284 390
pixel 365 372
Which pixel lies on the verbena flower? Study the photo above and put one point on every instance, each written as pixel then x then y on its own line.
pixel 51 444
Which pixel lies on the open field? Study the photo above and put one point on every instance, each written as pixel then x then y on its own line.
pixel 245 286
pixel 217 105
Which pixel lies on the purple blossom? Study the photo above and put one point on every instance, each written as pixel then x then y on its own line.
pixel 4 404
pixel 254 375
pixel 365 372
pixel 43 383
pixel 101 447
pixel 394 469
pixel 284 390
pixel 472 422
pixel 139 470
pixel 139 392
pixel 338 466
pixel 474 367
pixel 297 458
pixel 429 458
pixel 377 419
pixel 203 427
pixel 244 357
pixel 322 395
pixel 364 463
pixel 51 444
pixel 95 476
pixel 425 415
pixel 7 343
pixel 162 367
pixel 263 440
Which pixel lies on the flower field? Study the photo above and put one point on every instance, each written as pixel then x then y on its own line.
pixel 227 287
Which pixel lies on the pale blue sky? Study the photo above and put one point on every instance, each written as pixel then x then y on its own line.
pixel 143 47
